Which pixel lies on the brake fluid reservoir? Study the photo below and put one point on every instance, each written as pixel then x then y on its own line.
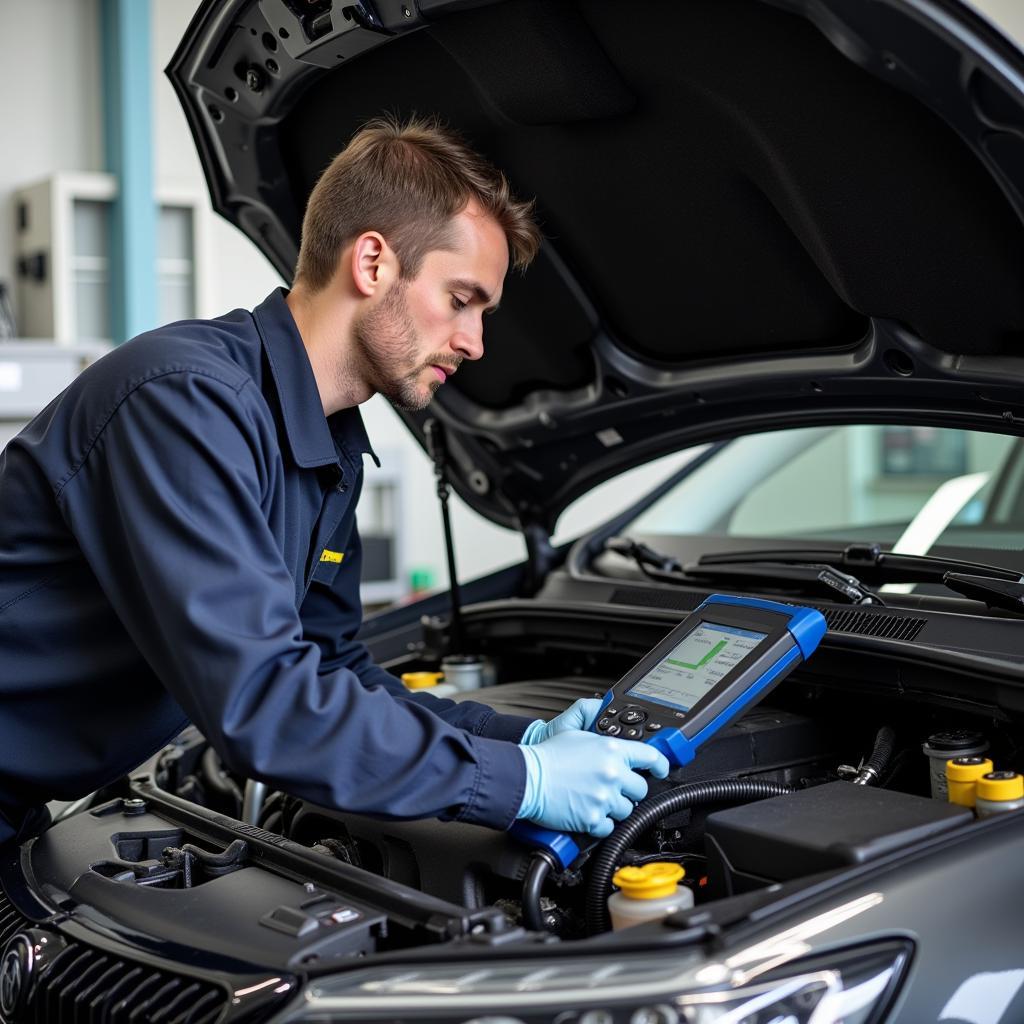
pixel 647 893
pixel 962 774
pixel 998 793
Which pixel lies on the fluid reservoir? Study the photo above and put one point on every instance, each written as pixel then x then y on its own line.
pixel 998 793
pixel 647 893
pixel 941 746
pixel 962 774
pixel 428 682
pixel 467 671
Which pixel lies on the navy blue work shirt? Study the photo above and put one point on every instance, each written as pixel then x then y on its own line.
pixel 163 529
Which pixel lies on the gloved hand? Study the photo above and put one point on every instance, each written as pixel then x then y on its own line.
pixel 578 715
pixel 580 781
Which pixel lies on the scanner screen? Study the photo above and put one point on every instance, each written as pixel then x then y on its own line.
pixel 696 665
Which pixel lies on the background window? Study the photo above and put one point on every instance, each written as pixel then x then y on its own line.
pixel 175 264
pixel 90 267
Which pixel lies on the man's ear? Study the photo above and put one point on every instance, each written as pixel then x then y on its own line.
pixel 373 263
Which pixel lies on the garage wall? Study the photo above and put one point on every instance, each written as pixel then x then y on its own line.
pixel 1007 14
pixel 52 107
pixel 239 274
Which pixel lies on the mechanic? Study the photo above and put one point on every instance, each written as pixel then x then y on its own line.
pixel 178 539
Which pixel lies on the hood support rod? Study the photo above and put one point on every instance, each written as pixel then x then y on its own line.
pixel 438 450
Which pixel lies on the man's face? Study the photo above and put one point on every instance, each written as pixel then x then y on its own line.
pixel 420 330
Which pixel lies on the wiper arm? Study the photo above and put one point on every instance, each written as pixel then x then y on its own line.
pixel 642 554
pixel 825 579
pixel 818 577
pixel 819 569
pixel 867 560
pixel 995 593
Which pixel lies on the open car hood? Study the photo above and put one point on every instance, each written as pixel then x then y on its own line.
pixel 758 213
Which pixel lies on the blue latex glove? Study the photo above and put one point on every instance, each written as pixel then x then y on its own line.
pixel 581 781
pixel 578 715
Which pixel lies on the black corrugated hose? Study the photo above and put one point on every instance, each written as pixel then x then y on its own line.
pixel 646 815
pixel 870 772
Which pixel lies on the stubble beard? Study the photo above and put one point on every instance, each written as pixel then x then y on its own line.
pixel 387 343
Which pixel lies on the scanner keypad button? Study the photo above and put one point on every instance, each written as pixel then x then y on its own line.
pixel 633 716
pixel 633 732
pixel 653 726
pixel 612 729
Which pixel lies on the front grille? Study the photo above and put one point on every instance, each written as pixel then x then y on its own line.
pixel 85 984
pixel 839 620
pixel 10 920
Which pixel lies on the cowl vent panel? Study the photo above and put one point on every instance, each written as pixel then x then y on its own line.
pixel 839 620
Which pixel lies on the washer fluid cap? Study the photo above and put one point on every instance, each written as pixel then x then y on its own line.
pixel 650 882
pixel 1001 786
pixel 967 769
pixel 421 680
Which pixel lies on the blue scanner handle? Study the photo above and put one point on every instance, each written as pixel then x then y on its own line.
pixel 562 847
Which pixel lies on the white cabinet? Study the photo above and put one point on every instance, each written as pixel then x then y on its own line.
pixel 34 372
pixel 63 250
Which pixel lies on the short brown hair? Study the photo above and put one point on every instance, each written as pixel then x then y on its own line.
pixel 406 180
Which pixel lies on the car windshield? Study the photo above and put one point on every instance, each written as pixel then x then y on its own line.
pixel 911 489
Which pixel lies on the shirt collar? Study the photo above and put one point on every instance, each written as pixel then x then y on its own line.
pixel 314 439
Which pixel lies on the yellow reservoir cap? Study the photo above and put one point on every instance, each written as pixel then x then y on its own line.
pixel 962 774
pixel 421 680
pixel 650 882
pixel 1001 786
pixel 967 769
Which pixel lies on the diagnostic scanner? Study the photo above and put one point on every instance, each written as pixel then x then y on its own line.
pixel 717 663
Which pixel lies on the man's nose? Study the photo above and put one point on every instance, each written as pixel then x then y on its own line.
pixel 469 341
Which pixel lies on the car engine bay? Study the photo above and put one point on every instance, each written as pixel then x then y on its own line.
pixel 770 800
pixel 824 784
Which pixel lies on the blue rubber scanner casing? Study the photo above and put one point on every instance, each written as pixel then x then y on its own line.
pixel 806 627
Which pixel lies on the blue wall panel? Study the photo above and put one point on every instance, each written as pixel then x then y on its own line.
pixel 128 120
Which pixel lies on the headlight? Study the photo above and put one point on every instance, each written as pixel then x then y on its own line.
pixel 853 987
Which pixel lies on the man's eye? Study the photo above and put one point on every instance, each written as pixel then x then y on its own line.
pixel 457 303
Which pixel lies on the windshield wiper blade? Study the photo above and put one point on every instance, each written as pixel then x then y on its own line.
pixel 866 560
pixel 815 577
